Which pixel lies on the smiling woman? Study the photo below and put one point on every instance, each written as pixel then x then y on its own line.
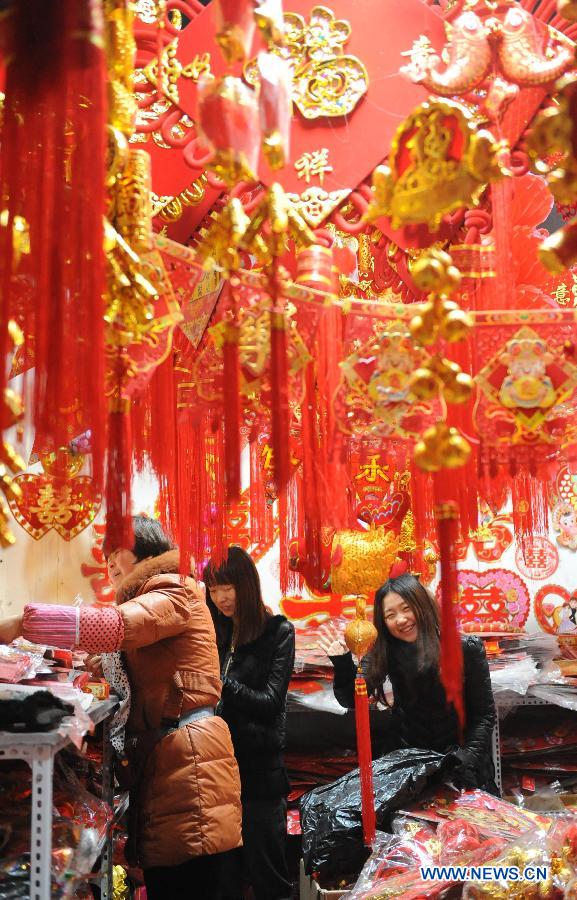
pixel 399 618
pixel 406 652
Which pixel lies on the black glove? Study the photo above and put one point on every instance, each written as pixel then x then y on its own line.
pixel 462 770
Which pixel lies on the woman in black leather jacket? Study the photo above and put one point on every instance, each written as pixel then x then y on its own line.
pixel 407 652
pixel 257 651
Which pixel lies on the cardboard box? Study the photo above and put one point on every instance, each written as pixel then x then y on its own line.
pixel 311 889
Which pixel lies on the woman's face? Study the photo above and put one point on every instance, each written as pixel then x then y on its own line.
pixel 120 564
pixel 224 598
pixel 399 618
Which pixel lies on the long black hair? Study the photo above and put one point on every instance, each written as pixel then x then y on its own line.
pixel 250 615
pixel 149 539
pixel 426 612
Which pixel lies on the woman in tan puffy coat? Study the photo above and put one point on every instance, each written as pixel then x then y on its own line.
pixel 186 803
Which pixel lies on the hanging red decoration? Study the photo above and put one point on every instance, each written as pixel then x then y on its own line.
pixel 360 636
pixel 52 185
pixel 60 499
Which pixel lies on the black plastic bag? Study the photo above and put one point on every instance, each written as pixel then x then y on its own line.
pixel 331 819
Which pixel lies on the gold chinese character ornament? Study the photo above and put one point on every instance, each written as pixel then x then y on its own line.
pixel 313 164
pixel 439 161
pixel 60 499
pixel 326 80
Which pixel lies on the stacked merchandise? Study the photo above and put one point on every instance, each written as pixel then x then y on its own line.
pixel 79 827
pixel 44 689
pixel 538 755
pixel 519 661
pixel 471 829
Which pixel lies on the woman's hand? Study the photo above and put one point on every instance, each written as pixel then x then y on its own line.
pixel 10 629
pixel 94 665
pixel 331 640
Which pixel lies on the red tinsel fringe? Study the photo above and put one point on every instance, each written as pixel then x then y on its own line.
pixel 530 512
pixel 336 496
pixel 314 509
pixel 451 662
pixel 365 760
pixel 261 505
pixel 53 176
pixel 118 481
pixel 279 400
pixel 189 474
pixel 231 378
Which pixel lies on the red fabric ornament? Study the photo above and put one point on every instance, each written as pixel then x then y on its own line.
pixel 52 182
pixel 446 514
pixel 364 752
pixel 231 397
pixel 119 533
pixel 398 568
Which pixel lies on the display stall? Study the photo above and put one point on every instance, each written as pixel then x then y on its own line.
pixel 300 279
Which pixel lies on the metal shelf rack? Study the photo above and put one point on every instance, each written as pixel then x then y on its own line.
pixel 38 749
pixel 527 700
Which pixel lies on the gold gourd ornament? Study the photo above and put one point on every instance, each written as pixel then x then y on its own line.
pixel 360 634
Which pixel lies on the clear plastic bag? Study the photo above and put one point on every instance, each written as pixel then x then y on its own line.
pixel 554 850
pixel 517 676
pixel 393 864
pixel 394 868
pixel 556 695
pixel 17 664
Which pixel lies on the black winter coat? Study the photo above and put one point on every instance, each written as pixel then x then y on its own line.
pixel 421 717
pixel 253 704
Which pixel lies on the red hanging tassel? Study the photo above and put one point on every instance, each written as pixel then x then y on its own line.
pixel 279 398
pixel 451 662
pixel 190 467
pixel 334 472
pixel 261 511
pixel 52 175
pixel 232 409
pixel 217 499
pixel 314 508
pixel 119 475
pixel 365 759
pixel 530 512
pixel 279 394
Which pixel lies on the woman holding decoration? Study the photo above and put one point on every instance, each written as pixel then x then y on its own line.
pixel 257 652
pixel 159 654
pixel 406 652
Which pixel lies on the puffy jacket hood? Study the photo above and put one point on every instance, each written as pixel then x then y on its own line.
pixel 166 564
